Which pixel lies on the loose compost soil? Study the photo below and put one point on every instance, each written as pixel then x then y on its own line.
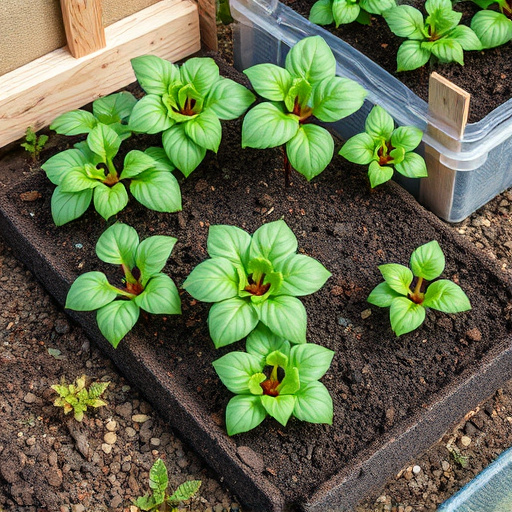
pixel 487 75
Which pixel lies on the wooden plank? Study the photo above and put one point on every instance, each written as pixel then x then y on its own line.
pixel 83 26
pixel 208 24
pixel 35 94
pixel 448 107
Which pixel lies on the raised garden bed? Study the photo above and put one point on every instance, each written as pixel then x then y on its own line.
pixel 393 397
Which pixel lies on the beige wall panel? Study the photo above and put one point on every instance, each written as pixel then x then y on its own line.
pixel 31 29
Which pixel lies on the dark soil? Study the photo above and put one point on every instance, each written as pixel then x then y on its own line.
pixel 377 381
pixel 487 75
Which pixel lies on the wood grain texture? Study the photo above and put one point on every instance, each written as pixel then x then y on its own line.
pixel 35 94
pixel 208 24
pixel 83 25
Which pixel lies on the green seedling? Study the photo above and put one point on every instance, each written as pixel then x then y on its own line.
pixel 76 397
pixel 458 458
pixel 34 144
pixel 406 293
pixel 186 104
pixel 159 500
pixel 385 148
pixel 493 28
pixel 88 173
pixel 305 89
pixel 145 286
pixel 439 35
pixel 113 110
pixel 341 12
pixel 273 380
pixel 255 279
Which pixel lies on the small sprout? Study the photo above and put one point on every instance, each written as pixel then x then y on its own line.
pixel 341 12
pixel 493 28
pixel 76 397
pixel 386 148
pixel 461 460
pixel 34 144
pixel 406 294
pixel 159 500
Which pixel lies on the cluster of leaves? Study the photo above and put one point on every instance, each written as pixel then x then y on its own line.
pixel 255 279
pixel 439 35
pixel 145 287
pixel 385 148
pixel 76 397
pixel 341 12
pixel 34 144
pixel 186 103
pixel 306 88
pixel 493 28
pixel 405 291
pixel 159 499
pixel 289 387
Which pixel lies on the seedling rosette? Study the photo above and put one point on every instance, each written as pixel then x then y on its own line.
pixel 145 286
pixel 272 379
pixel 405 292
pixel 255 279
pixel 493 28
pixel 341 12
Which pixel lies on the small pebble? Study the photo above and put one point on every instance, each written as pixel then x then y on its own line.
pixel 110 437
pixel 154 441
pixel 107 448
pixel 31 441
pixel 140 418
pixel 366 313
pixel 29 398
pixel 465 440
pixel 445 465
pixel 61 326
pixel 111 425
pixel 416 469
pixel 130 432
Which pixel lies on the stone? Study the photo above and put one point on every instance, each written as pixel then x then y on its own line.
pixel 154 441
pixel 465 441
pixel 140 418
pixel 77 508
pixel 111 425
pixel 107 448
pixel 366 314
pixel 130 432
pixel 54 477
pixel 445 465
pixel 116 501
pixel 110 438
pixel 125 410
pixel 474 334
pixel 29 398
pixel 61 326
pixel 416 469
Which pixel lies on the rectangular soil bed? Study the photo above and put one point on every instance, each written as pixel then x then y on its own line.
pixel 393 397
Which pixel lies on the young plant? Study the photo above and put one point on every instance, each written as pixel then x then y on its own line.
pixel 341 12
pixel 186 103
pixel 34 144
pixel 88 173
pixel 493 28
pixel 305 89
pixel 440 35
pixel 255 279
pixel 145 287
pixel 159 500
pixel 406 293
pixel 386 148
pixel 76 397
pixel 273 380
pixel 113 110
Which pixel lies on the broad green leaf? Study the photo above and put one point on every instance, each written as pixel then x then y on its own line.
pixel 286 317
pixel 279 407
pixel 229 242
pixel 205 130
pixel 150 115
pixel 290 383
pixel 160 296
pixel 492 28
pixel 265 126
pixel 359 149
pixel 377 6
pixel 398 277
pixel 311 360
pixel 157 190
pixel 412 166
pixel 160 159
pixel 185 491
pixel 313 404
pixel 310 150
pixel 411 55
pixel 243 413
pixel 379 124
pixel 231 320
pixel 335 98
pixel 235 370
pixel 270 81
pixel 298 94
pixel 379 174
pixel 229 100
pixel 406 21
pixel 262 341
pixel 110 200
pixel 117 245
pixel 397 155
pixel 448 50
pixel 74 123
pixel 78 179
pixel 90 291
pixel 58 165
pixel 382 295
pixel 255 383
pixel 428 261
pixel 104 141
pixel 407 137
pixel 302 275
pixel 152 254
pixel 277 358
pixel 213 280
pixel 96 389
pixel 68 206
pixel 466 37
pixel 441 17
pixel 115 320
pixel 136 162
pixel 405 315
pixel 201 72
pixel 273 241
pixel 321 13
pixel 145 502
pixel 364 17
pixel 114 108
pixel 154 74
pixel 158 480
pixel 345 11
pixel 182 151
pixel 446 296
pixel 312 59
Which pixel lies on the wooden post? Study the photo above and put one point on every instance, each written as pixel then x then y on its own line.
pixel 84 26
pixel 448 108
pixel 208 24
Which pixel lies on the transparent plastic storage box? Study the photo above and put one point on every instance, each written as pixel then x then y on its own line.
pixel 464 172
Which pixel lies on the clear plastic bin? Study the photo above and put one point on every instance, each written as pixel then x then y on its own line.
pixel 472 175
